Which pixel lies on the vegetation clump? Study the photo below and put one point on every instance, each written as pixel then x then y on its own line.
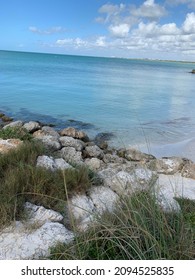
pixel 139 230
pixel 15 132
pixel 21 181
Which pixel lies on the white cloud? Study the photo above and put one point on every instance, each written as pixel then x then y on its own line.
pixel 121 30
pixel 189 23
pixel 189 3
pixel 101 41
pixel 74 42
pixel 150 10
pixel 129 34
pixel 52 30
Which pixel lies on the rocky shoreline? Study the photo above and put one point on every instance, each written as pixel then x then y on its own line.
pixel 121 173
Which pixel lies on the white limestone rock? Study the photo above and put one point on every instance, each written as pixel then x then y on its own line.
pixel 71 155
pixel 47 130
pixel 61 164
pixel 94 152
pixel 129 182
pixel 50 142
pixel 93 163
pixel 32 126
pixel 40 215
pixel 67 141
pixel 14 124
pixel 46 162
pixel 52 164
pixel 80 207
pixel 168 166
pixel 21 242
pixel 104 199
pixel 169 187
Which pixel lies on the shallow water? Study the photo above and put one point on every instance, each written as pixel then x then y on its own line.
pixel 140 101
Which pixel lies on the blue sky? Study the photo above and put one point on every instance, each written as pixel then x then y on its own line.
pixel 158 29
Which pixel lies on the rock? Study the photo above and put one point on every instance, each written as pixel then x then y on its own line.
pixel 21 241
pixel 193 71
pixel 46 162
pixel 67 141
pixel 80 209
pixel 169 187
pixel 49 137
pixel 102 138
pixel 61 164
pixel 169 165
pixel 6 118
pixel 94 152
pixel 72 132
pixel 71 155
pixel 9 144
pixel 188 170
pixel 14 124
pixel 135 155
pixel 93 163
pixel 32 126
pixel 109 158
pixel 83 210
pixel 52 164
pixel 127 183
pixel 50 142
pixel 40 215
pixel 47 130
pixel 104 199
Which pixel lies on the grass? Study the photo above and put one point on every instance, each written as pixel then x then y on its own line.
pixel 139 230
pixel 15 132
pixel 21 180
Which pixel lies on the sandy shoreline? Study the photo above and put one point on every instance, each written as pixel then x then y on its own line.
pixel 185 148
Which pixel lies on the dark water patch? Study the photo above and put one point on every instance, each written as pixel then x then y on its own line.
pixel 177 121
pixel 59 123
pixel 104 136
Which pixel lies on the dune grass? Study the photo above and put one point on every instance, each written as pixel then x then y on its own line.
pixel 139 230
pixel 21 180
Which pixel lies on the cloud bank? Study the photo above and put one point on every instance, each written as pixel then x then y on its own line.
pixel 135 29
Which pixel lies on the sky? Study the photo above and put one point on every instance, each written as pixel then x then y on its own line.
pixel 153 29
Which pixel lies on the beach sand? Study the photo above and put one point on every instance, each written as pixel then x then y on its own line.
pixel 184 149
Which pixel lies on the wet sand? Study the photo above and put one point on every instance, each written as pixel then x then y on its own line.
pixel 184 149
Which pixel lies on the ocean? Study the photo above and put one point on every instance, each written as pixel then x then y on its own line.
pixel 140 103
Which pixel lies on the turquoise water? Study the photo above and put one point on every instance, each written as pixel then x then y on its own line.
pixel 139 101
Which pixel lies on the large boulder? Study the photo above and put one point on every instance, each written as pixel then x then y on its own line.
pixel 32 126
pixel 73 132
pixel 52 164
pixel 33 238
pixel 14 124
pixel 188 170
pixel 104 199
pixel 49 141
pixel 167 165
pixel 9 144
pixel 67 141
pixel 94 152
pixel 71 155
pixel 83 210
pixel 129 182
pixel 94 163
pixel 79 209
pixel 169 187
pixel 132 154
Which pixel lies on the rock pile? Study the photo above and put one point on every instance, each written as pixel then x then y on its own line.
pixel 122 172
